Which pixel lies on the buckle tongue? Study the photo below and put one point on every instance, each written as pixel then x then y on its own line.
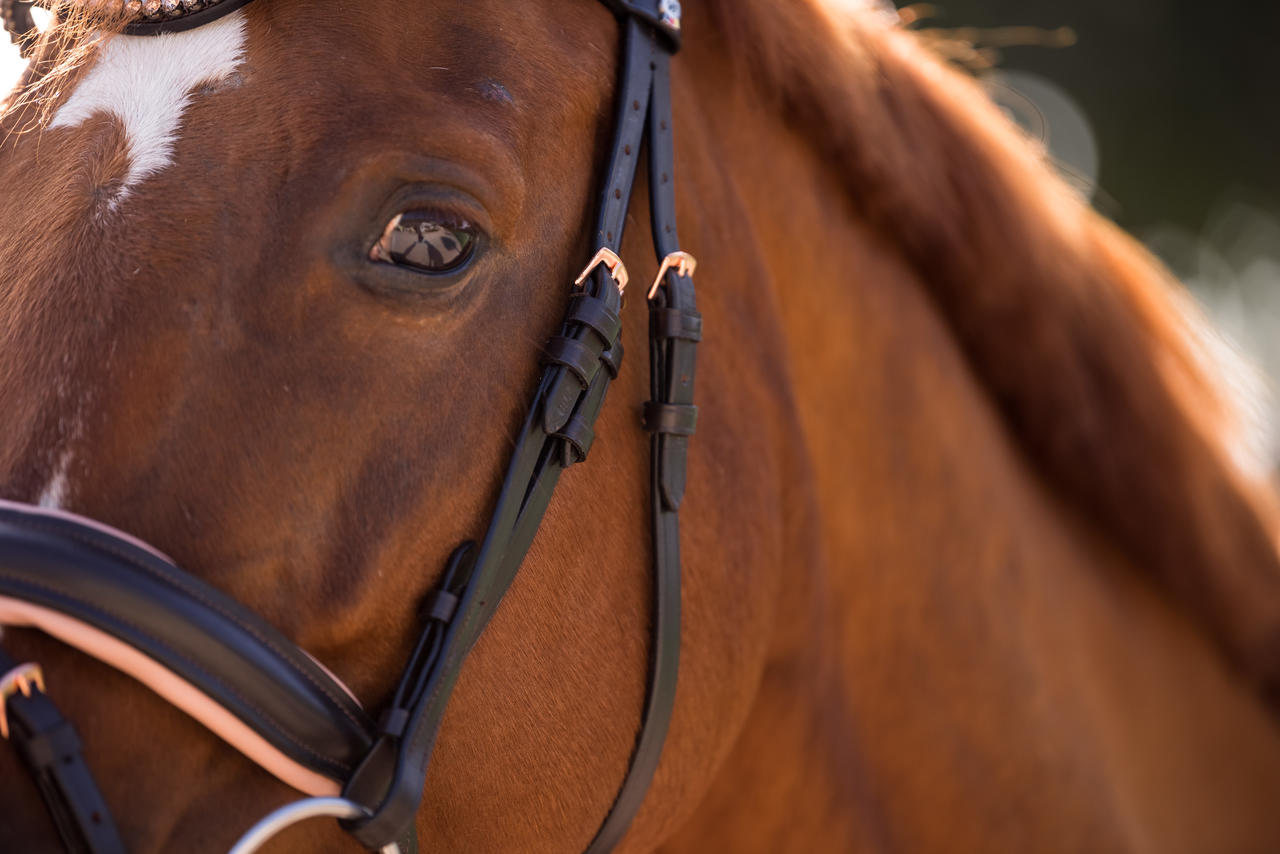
pixel 612 263
pixel 19 680
pixel 682 262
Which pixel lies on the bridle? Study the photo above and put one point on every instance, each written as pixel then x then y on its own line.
pixel 126 604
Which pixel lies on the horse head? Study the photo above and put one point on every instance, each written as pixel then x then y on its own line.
pixel 969 562
pixel 274 300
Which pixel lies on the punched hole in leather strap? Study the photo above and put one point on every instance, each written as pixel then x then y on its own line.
pixel 674 323
pixel 671 418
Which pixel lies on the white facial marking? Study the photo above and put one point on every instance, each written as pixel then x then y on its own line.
pixel 54 494
pixel 146 82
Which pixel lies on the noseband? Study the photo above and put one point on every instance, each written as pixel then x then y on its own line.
pixel 126 604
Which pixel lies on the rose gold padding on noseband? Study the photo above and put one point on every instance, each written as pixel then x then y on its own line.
pixel 170 686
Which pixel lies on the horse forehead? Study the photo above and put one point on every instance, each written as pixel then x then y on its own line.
pixel 147 83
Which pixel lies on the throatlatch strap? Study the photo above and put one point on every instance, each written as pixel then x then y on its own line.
pixel 50 748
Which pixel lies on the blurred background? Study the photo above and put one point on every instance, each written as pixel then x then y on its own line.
pixel 1165 113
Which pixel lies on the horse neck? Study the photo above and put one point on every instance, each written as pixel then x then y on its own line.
pixel 920 513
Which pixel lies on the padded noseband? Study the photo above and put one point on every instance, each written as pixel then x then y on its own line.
pixel 103 583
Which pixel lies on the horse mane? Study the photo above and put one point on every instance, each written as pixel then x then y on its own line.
pixel 1081 340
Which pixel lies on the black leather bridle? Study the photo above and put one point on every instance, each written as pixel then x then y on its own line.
pixel 74 578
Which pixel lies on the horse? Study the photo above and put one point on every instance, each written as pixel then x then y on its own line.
pixel 974 557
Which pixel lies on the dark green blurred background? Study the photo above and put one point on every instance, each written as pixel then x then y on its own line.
pixel 1167 114
pixel 1183 97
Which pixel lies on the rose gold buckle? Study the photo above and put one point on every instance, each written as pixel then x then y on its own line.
pixel 683 263
pixel 19 680
pixel 611 261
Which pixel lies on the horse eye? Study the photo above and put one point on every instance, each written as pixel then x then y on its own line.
pixel 426 240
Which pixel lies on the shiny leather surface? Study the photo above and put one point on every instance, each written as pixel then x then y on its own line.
pixel 201 634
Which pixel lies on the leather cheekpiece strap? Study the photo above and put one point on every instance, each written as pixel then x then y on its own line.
pixel 557 433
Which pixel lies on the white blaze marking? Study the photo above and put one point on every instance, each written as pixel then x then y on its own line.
pixel 146 82
pixel 54 495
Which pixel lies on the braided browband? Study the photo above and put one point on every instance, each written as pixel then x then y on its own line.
pixel 160 10
pixel 153 17
pixel 146 17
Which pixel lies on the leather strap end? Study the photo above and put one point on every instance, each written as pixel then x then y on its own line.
pixel 560 401
pixel 673 459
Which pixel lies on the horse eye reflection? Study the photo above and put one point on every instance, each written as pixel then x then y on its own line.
pixel 426 241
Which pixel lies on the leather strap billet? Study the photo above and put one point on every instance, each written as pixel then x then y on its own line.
pixel 183 20
pixel 671 370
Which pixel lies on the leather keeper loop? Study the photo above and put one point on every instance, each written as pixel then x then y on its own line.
pixel 394 722
pixel 612 359
pixel 673 323
pixel 580 359
pixel 439 605
pixel 670 418
pixel 577 436
pixel 594 314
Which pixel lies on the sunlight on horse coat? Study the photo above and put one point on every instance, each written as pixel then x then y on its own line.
pixel 971 565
